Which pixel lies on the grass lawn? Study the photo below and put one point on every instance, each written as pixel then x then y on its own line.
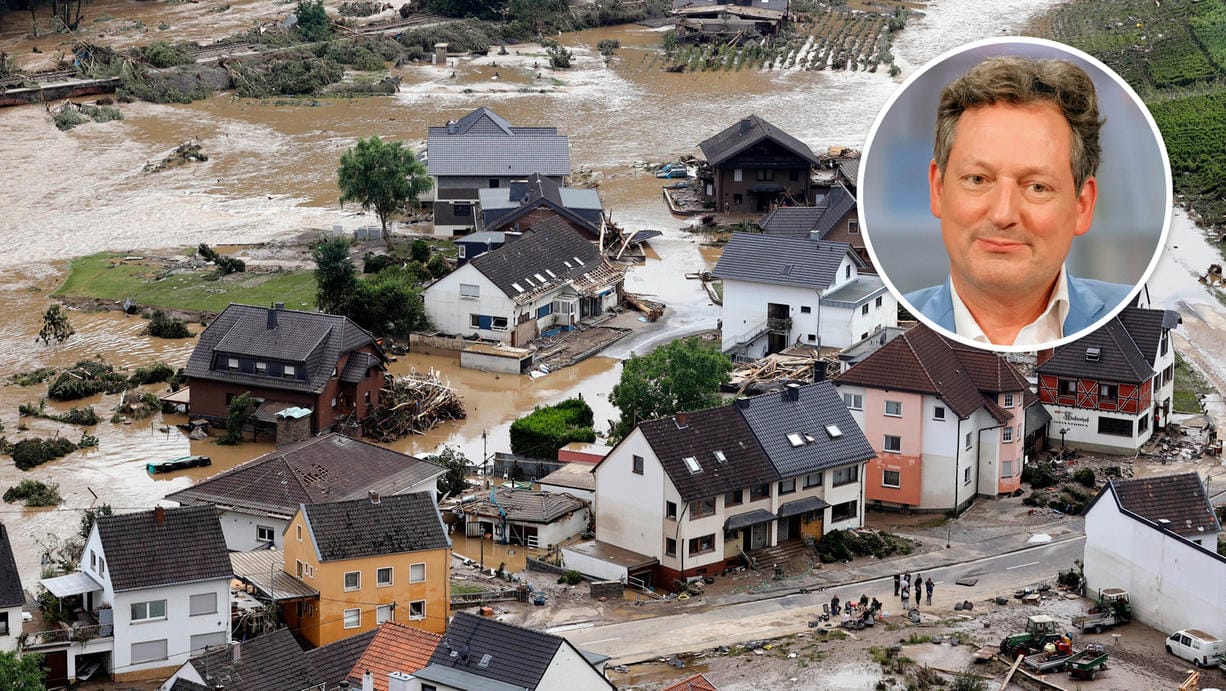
pixel 464 588
pixel 148 282
pixel 1188 383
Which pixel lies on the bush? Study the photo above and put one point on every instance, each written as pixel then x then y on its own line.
pixel 162 325
pixel 225 265
pixel 29 453
pixel 1040 475
pixel 545 430
pixel 34 493
pixel 437 266
pixel 419 250
pixel 156 373
pixel 1085 476
pixel 845 545
pixel 608 46
pixel 559 57
pixel 313 22
pixel 374 263
pixel 1035 499
pixel 85 379
pixel 572 577
pixel 161 55
pixel 460 37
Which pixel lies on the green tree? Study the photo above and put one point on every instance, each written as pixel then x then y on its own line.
pixel 336 278
pixel 481 9
pixel 313 22
pixel 452 482
pixel 23 672
pixel 388 304
pixel 55 326
pixel 682 375
pixel 382 176
pixel 241 411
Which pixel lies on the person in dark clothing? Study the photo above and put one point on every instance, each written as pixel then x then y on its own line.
pixel 875 605
pixel 897 584
pixel 928 587
pixel 834 605
pixel 863 601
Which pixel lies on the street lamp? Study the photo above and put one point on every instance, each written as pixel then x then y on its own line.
pixel 485 457
pixel 1063 431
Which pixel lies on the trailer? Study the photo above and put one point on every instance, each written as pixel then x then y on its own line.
pixel 1046 662
pixel 1110 609
pixel 1087 663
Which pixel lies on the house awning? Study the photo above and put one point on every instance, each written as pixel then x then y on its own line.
pixel 744 520
pixel 795 508
pixel 766 187
pixel 264 569
pixel 76 583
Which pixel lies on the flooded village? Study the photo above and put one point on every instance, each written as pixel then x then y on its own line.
pixel 660 188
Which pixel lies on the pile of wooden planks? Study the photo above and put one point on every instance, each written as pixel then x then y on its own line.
pixel 413 405
pixel 774 367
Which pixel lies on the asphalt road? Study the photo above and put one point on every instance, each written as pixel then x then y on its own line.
pixel 710 627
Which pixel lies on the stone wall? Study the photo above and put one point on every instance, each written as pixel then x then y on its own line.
pixel 611 590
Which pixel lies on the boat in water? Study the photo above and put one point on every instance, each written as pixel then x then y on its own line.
pixel 178 464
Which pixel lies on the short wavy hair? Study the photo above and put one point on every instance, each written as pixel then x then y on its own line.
pixel 1023 81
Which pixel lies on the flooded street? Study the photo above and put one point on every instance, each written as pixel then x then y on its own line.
pixel 271 174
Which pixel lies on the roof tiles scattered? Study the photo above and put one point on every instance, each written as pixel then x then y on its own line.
pixel 363 528
pixel 186 546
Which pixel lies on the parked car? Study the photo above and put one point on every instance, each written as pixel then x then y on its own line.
pixel 1200 648
pixel 673 170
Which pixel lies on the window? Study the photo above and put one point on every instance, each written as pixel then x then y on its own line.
pixel 787 486
pixel 93 560
pixel 670 547
pixel 289 372
pixel 890 478
pixel 734 498
pixel 843 476
pixel 353 618
pixel 877 303
pixel 796 440
pixel 638 465
pixel 670 510
pixel 1006 435
pixel 692 465
pixel 417 610
pixel 805 309
pixel 494 183
pixel 1108 392
pixel 706 543
pixel 844 511
pixel 765 175
pixel 265 533
pixel 757 492
pixel 847 273
pixel 201 641
pixel 232 363
pixel 702 507
pixel 202 603
pixel 544 311
pixel 461 251
pixel 4 623
pixel 864 307
pixel 893 408
pixel 261 368
pixel 383 613
pixel 1008 400
pixel 853 228
pixel 1115 426
pixel 1006 468
pixel 383 576
pixel 102 566
pixel 1143 423
pixel 300 569
pixel 470 292
pixel 968 440
pixel 812 338
pixel 298 532
pixel 417 572
pixel 498 323
pixel 893 444
pixel 813 480
pixel 334 402
pixel 966 476
pixel 148 651
pixel 853 401
pixel 738 198
pixel 462 210
pixel 938 413
pixel 737 175
pixel 154 609
pixel 1068 387
pixel 353 580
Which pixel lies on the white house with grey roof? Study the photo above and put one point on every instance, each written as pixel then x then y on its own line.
pixel 785 291
pixel 12 597
pixel 550 278
pixel 688 495
pixel 483 150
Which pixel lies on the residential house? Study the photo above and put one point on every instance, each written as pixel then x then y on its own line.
pixel 689 494
pixel 1109 390
pixel 469 247
pixel 483 150
pixel 12 596
pixel 272 662
pixel 526 517
pixel 257 499
pixel 157 586
pixel 371 560
pixel 395 648
pixel 550 278
pixel 784 291
pixel 480 654
pixel 947 421
pixel 833 217
pixel 1157 538
pixel 574 478
pixel 583 452
pixel 734 20
pixel 757 165
pixel 291 361
pixel 697 682
pixel 524 203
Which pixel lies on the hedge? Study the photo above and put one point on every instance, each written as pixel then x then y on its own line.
pixel 544 431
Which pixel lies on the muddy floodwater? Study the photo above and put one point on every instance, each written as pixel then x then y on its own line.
pixel 271 174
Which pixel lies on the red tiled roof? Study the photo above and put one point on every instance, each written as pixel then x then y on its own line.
pixel 395 648
pixel 698 682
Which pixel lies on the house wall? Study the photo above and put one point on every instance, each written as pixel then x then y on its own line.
pixel 908 462
pixel 8 642
pixel 744 310
pixel 630 507
pixel 853 491
pixel 857 325
pixel 1012 454
pixel 239 529
pixel 727 186
pixel 451 313
pixel 458 188
pixel 1080 414
pixel 841 232
pixel 550 534
pixel 177 628
pixel 208 399
pixel 1172 583
pixel 592 566
pixel 569 670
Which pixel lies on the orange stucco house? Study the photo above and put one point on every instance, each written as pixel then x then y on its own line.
pixel 371 560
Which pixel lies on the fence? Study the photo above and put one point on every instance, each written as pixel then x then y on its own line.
pixel 503 595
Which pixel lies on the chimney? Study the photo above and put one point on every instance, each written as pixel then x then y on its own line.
pixel 1043 356
pixel 742 403
pixel 159 515
pixel 236 652
pixel 793 391
pixel 374 497
pixel 682 419
pixel 451 127
pixel 746 124
pixel 272 314
pixel 368 681
pixel 398 681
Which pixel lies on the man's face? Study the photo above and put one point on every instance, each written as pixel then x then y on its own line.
pixel 1007 203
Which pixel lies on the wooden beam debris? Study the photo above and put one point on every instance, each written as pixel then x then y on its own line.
pixel 413 405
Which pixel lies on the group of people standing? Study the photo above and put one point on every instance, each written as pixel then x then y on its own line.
pixel 902 588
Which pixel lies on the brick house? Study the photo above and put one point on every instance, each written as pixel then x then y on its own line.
pixel 833 217
pixel 524 203
pixel 320 362
pixel 756 165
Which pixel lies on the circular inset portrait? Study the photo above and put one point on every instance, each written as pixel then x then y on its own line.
pixel 1015 194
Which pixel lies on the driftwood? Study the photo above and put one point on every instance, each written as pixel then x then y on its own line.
pixel 413 405
pixel 654 310
pixel 774 367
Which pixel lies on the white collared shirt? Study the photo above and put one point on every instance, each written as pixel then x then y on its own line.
pixel 1047 328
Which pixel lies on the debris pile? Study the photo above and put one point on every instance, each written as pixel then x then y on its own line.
pixel 751 376
pixel 413 405
pixel 653 309
pixel 187 152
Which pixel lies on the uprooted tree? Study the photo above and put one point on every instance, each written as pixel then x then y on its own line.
pixel 55 326
pixel 382 176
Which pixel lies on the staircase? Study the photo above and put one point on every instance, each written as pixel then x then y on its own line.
pixel 782 554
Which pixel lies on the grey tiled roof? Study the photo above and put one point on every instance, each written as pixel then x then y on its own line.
pixel 1118 358
pixel 782 260
pixel 332 467
pixel 839 203
pixel 356 529
pixel 546 248
pixel 357 366
pixel 1178 499
pixel 11 594
pixel 850 169
pixel 333 662
pixel 186 547
pixel 705 432
pixel 852 292
pixel 774 416
pixel 313 340
pixel 1146 326
pixel 485 144
pixel 272 662
pixel 517 656
pixel 543 192
pixel 732 141
pixel 528 506
pixel 791 221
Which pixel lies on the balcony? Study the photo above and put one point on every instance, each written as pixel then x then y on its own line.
pixel 779 325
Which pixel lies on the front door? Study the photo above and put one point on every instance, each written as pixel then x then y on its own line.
pixel 759 536
pixel 784 534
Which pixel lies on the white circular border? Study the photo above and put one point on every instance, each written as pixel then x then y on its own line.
pixel 866 231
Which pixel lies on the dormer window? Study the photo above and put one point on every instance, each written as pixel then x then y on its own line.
pixel 290 372
pixel 231 363
pixel 261 368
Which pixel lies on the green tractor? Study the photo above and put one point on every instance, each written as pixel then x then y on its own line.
pixel 1041 629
